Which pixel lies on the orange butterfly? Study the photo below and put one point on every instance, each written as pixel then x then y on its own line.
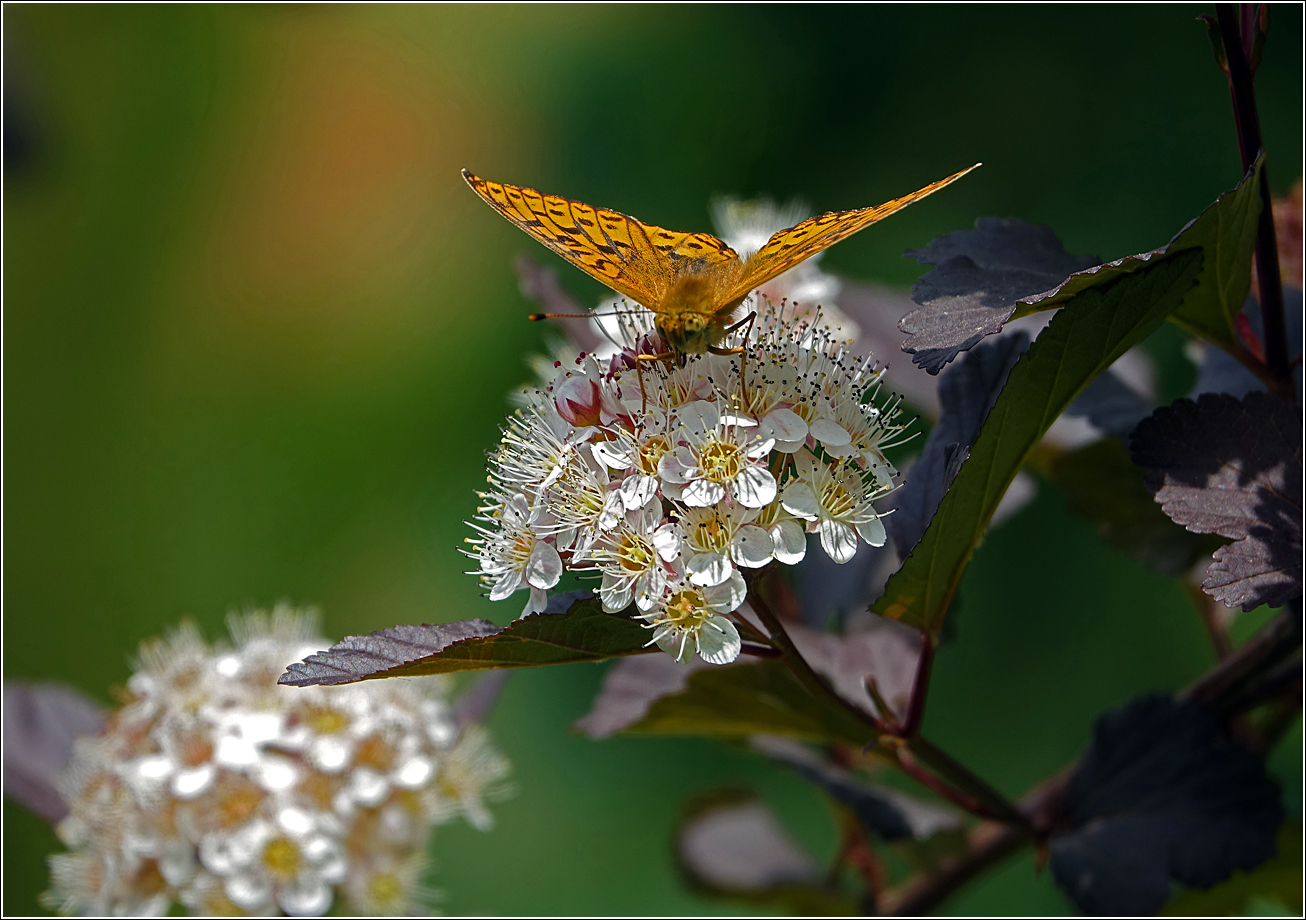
pixel 692 281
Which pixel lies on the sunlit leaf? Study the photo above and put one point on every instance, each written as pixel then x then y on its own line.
pixel 1232 467
pixel 750 699
pixel 1160 796
pixel 966 394
pixel 583 633
pixel 1093 329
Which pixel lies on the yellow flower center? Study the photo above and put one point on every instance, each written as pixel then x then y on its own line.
pixel 711 536
pixel 281 858
pixel 687 611
pixel 837 499
pixel 720 461
pixel 327 721
pixel 650 452
pixel 635 554
pixel 386 890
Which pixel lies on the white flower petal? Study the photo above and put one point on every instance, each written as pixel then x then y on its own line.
pixel 784 425
pixel 614 510
pixel 838 540
pixel 752 547
pixel 248 892
pixel 666 540
pixel 615 455
pixel 757 449
pixel 615 594
pixel 649 588
pixel 544 568
pixel 704 494
pixel 638 490
pixel 790 447
pixel 718 641
pixel 699 417
pixel 538 602
pixel 790 542
pixel 727 596
pixel 678 465
pixel 677 644
pixel 872 531
pixel 505 584
pixel 799 499
pixel 829 432
pixel 707 569
pixel 754 487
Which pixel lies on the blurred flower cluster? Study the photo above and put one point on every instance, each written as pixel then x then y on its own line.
pixel 214 787
pixel 668 480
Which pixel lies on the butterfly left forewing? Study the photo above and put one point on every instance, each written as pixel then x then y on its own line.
pixel 638 260
pixel 789 247
pixel 570 229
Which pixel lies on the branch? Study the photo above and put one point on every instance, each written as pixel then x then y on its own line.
pixel 1221 688
pixel 1274 326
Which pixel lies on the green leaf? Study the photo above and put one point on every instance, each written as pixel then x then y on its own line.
pixel 1103 485
pixel 1226 234
pixel 583 633
pixel 1279 879
pixel 1094 328
pixel 750 699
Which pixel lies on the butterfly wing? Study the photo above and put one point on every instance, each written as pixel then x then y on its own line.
pixel 789 247
pixel 635 259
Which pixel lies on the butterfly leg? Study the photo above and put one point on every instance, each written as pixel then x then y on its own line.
pixel 741 350
pixel 643 396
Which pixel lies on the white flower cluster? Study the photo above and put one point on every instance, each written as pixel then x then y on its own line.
pixel 669 479
pixel 214 787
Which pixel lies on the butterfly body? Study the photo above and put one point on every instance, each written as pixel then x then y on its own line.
pixel 692 282
pixel 691 317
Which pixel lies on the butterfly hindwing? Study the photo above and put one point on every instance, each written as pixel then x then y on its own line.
pixel 789 247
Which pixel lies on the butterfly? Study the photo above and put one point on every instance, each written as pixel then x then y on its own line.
pixel 692 282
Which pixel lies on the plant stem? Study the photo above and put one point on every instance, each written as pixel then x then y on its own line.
pixel 920 687
pixel 977 796
pixel 1275 641
pixel 1273 324
pixel 989 844
pixel 954 772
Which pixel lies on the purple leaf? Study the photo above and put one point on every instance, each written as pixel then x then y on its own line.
pixel 1232 467
pixel 1160 796
pixel 41 722
pixel 630 687
pixel 583 633
pixel 980 276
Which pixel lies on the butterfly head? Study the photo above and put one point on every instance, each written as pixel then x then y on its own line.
pixel 688 332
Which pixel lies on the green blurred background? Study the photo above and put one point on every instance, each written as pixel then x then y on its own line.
pixel 258 336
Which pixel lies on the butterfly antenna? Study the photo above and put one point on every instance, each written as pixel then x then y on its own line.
pixel 536 317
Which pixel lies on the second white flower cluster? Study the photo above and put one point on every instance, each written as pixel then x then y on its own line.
pixel 670 480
